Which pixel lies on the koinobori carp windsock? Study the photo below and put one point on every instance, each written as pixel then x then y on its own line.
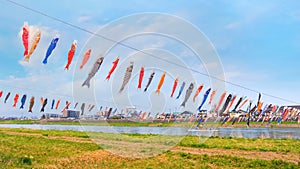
pixel 93 72
pixel 188 94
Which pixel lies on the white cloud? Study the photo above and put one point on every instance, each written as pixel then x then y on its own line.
pixel 83 19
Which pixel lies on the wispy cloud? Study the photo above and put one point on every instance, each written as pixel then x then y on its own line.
pixel 83 19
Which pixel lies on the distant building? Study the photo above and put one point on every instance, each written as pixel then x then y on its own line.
pixel 71 114
pixel 50 115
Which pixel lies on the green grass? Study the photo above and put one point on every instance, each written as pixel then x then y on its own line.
pixel 258 144
pixel 39 149
pixel 141 123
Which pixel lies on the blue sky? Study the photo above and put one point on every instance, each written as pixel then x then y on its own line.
pixel 258 43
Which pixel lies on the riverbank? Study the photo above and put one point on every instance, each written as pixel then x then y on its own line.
pixel 25 148
pixel 160 123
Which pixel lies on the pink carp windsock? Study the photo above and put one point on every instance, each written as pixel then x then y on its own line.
pixel 127 76
pixel 31 103
pixel 174 86
pixel 112 69
pixel 220 101
pixel 50 49
pixel 212 95
pixel 37 37
pixel 188 94
pixel 71 54
pixel 86 57
pixel 141 77
pixel 25 38
pixel 93 72
pixel 161 82
pixel 149 81
pixel 16 98
pixel 197 92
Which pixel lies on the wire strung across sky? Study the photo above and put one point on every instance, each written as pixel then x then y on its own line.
pixel 146 53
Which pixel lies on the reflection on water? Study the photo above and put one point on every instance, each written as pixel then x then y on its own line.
pixel 293 133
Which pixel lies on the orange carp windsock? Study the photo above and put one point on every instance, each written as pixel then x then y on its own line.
pixel 141 78
pixel 37 37
pixel 174 86
pixel 197 92
pixel 42 100
pixel 220 102
pixel 212 95
pixel 112 69
pixel 86 57
pixel 16 98
pixel 259 106
pixel 71 54
pixel 25 37
pixel 57 104
pixel 161 82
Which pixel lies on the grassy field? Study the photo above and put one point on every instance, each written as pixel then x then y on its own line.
pixel 25 148
pixel 141 123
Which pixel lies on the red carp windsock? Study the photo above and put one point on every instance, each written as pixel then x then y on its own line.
pixel 141 78
pixel 16 98
pixel 71 54
pixel 25 37
pixel 112 69
pixel 174 86
pixel 197 92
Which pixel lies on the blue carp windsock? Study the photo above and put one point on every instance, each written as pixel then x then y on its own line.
pixel 180 90
pixel 50 49
pixel 204 99
pixel 127 76
pixel 188 94
pixel 149 81
pixel 31 103
pixel 52 105
pixel 93 72
pixel 23 100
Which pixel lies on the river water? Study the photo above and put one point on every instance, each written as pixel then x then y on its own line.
pixel 293 133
